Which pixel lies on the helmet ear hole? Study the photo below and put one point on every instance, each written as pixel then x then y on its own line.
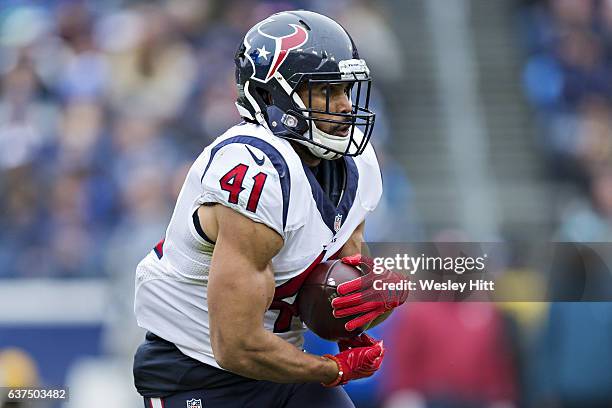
pixel 265 96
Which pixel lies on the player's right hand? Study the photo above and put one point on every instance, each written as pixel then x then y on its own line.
pixel 359 298
pixel 357 362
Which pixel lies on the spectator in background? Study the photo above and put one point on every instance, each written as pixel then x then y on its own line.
pixel 153 74
pixel 572 359
pixel 571 362
pixel 25 119
pixel 567 86
pixel 370 28
pixel 590 219
pixel 83 72
pixel 567 78
pixel 72 246
pixel 449 355
pixel 22 212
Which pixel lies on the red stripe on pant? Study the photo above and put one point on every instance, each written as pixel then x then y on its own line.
pixel 159 403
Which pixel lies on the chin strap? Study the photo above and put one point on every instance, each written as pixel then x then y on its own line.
pixel 323 153
pixel 322 137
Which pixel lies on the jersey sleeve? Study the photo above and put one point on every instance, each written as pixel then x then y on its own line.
pixel 371 196
pixel 250 180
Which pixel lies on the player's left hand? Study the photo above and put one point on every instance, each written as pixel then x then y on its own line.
pixel 358 361
pixel 358 296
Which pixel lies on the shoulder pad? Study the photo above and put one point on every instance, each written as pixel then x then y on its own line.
pixel 250 176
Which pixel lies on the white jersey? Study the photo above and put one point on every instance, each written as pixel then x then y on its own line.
pixel 259 175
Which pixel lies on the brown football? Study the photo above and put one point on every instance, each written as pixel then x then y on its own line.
pixel 316 294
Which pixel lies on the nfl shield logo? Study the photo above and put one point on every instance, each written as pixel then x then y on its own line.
pixel 337 222
pixel 194 403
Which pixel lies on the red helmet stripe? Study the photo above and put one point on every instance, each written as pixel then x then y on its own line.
pixel 288 43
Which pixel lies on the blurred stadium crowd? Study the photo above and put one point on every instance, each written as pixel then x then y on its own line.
pixel 103 109
pixel 568 80
pixel 105 105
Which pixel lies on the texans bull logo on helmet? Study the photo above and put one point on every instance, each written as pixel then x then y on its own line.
pixel 272 45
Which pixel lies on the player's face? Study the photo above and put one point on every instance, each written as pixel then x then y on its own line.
pixel 338 102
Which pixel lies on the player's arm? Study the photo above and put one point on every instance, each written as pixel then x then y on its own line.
pixel 240 290
pixel 355 244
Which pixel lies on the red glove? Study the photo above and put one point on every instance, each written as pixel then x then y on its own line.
pixel 358 358
pixel 358 296
pixel 363 340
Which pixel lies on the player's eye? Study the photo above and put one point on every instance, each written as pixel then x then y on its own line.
pixel 337 89
pixel 347 89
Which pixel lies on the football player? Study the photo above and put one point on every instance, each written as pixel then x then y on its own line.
pixel 262 205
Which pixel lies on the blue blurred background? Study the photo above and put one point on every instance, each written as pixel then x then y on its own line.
pixel 494 124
